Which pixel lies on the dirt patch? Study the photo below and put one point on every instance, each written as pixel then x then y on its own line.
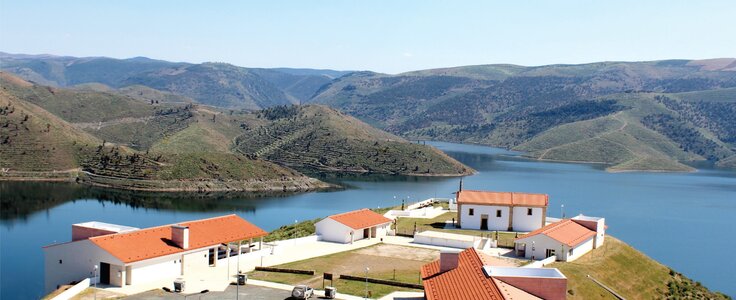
pixel 401 252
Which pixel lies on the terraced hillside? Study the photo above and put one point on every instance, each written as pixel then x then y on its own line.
pixel 320 138
pixel 196 156
pixel 32 139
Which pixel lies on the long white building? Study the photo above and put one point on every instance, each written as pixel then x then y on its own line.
pixel 503 211
pixel 119 255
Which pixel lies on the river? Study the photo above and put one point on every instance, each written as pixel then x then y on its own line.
pixel 684 220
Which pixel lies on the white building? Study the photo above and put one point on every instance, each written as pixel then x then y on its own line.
pixel 567 239
pixel 352 226
pixel 504 211
pixel 119 255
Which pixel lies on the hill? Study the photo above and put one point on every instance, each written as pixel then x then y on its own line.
pixel 630 115
pixel 217 84
pixel 34 140
pixel 669 112
pixel 320 138
pixel 616 264
pixel 38 145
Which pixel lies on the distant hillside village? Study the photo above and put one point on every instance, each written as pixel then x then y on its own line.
pixel 490 245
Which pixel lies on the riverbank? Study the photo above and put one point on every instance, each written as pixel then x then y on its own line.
pixel 285 184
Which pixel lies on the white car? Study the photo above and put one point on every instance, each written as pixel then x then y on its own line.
pixel 302 292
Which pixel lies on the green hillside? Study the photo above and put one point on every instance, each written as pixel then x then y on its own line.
pixel 217 84
pixel 32 139
pixel 632 116
pixel 37 145
pixel 320 138
pixel 661 105
pixel 629 273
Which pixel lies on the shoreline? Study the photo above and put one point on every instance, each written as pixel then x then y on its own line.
pixel 607 166
pixel 300 184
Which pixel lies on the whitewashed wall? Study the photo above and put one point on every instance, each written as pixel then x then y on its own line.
pixel 77 262
pixel 580 250
pixel 543 242
pixel 494 223
pixel 194 261
pixel 444 242
pixel 334 231
pixel 524 222
pixel 73 291
pixel 156 269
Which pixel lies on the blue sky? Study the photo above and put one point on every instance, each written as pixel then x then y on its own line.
pixel 385 36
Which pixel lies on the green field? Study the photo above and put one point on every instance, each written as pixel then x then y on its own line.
pixel 387 262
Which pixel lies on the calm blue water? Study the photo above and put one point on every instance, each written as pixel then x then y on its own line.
pixel 683 220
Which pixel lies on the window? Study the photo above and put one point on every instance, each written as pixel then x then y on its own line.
pixel 528 211
pixel 569 253
pixel 498 213
pixel 60 261
pixel 471 212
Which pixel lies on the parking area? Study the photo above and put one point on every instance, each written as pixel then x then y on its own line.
pixel 245 292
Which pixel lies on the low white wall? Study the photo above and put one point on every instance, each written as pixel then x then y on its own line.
pixel 420 203
pixel 73 291
pixel 297 241
pixel 444 242
pixel 415 213
pixel 541 263
pixel 276 246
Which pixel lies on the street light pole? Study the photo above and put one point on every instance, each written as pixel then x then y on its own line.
pixel 562 210
pixel 237 279
pixel 95 282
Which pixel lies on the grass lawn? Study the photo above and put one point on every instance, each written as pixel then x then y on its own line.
pixel 628 272
pixel 406 225
pixel 389 262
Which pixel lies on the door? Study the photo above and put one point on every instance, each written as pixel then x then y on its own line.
pixel 212 257
pixel 550 252
pixel 104 273
pixel 483 222
pixel 366 233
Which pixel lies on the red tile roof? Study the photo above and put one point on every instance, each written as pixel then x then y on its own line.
pixel 156 241
pixel 502 198
pixel 359 219
pixel 465 282
pixel 566 231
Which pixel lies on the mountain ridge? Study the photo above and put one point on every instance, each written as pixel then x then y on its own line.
pixel 502 105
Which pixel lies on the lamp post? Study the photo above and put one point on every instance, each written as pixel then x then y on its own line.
pixel 562 210
pixel 237 274
pixel 366 282
pixel 95 268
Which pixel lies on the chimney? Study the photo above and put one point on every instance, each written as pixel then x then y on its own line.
pixel 180 236
pixel 448 260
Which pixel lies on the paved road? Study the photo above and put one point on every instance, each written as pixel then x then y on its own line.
pixel 249 292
